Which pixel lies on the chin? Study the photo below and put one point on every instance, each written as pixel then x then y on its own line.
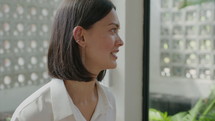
pixel 113 66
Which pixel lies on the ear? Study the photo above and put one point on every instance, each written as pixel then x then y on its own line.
pixel 78 35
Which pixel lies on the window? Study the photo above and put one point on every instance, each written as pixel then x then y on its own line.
pixel 181 54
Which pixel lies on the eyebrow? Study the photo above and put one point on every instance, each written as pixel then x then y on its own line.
pixel 115 24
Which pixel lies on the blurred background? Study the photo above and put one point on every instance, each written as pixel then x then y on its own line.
pixel 24 38
pixel 182 55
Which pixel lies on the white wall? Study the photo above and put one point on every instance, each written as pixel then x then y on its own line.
pixel 127 78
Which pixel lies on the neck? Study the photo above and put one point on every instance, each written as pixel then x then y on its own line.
pixel 81 92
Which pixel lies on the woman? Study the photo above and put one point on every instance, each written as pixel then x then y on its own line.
pixel 84 43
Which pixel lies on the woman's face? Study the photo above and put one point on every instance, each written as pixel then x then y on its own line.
pixel 102 43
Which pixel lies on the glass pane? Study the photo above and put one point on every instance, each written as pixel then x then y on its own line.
pixel 182 70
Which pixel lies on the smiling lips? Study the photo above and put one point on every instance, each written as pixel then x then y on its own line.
pixel 114 53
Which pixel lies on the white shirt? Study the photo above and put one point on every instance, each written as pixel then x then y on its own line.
pixel 52 103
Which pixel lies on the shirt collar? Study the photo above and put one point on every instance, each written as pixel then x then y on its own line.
pixel 63 106
pixel 61 103
pixel 104 103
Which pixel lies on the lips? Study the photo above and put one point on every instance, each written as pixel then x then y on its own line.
pixel 114 53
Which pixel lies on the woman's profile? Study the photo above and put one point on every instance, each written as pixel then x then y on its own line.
pixel 84 43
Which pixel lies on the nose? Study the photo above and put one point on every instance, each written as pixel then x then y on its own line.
pixel 120 41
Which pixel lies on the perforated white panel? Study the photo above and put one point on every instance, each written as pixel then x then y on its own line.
pixel 24 33
pixel 187 47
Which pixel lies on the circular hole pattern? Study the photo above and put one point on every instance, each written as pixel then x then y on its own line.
pixel 33 28
pixel 33 11
pixel 20 44
pixel 45 28
pixel 45 12
pixel 21 61
pixel 33 60
pixel 14 47
pixel 34 76
pixel 45 44
pixel 33 44
pixel 7 62
pixel 44 59
pixel 20 27
pixel 20 9
pixel 6 8
pixel 6 27
pixel 6 44
pixel 45 75
pixel 21 78
pixel 7 80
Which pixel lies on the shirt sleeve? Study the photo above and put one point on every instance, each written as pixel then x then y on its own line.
pixel 17 117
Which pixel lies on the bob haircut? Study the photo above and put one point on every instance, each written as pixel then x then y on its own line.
pixel 64 59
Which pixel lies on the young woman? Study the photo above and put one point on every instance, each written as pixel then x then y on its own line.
pixel 84 43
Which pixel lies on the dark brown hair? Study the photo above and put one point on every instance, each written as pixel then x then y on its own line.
pixel 64 60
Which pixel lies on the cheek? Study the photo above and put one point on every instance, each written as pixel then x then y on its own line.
pixel 103 44
pixel 107 43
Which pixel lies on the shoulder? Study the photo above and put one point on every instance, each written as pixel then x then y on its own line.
pixel 33 107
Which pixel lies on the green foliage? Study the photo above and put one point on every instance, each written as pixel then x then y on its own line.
pixel 186 3
pixel 204 110
pixel 8 119
pixel 156 115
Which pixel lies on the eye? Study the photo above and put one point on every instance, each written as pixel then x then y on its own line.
pixel 114 30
